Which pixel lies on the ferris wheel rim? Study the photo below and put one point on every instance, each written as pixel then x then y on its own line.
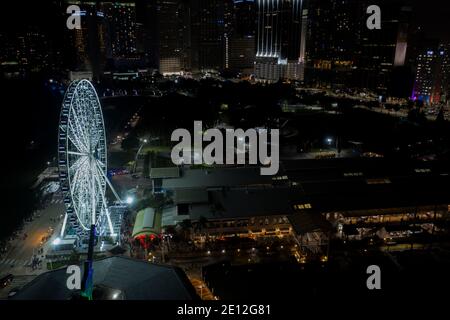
pixel 71 200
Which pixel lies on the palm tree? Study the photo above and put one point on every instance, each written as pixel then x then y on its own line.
pixel 203 224
pixel 186 226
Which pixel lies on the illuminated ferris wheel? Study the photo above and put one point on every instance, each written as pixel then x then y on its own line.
pixel 82 158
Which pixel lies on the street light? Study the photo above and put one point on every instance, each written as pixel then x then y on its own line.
pixel 329 141
pixel 143 142
pixel 129 200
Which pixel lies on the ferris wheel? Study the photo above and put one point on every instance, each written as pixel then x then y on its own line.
pixel 82 160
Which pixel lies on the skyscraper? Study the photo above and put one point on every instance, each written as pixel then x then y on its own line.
pixel 342 52
pixel 278 38
pixel 121 21
pixel 90 43
pixel 241 37
pixel 165 31
pixel 431 83
pixel 382 53
pixel 332 41
pixel 208 34
pixel 27 50
pixel 170 14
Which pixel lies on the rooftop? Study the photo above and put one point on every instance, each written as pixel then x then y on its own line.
pixel 134 279
pixel 316 186
pixel 217 177
pixel 168 172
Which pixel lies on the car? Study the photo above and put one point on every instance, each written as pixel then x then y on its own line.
pixel 6 280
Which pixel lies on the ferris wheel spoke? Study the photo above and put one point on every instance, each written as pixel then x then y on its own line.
pixel 82 194
pixel 78 184
pixel 79 162
pixel 85 115
pixel 96 141
pixel 75 139
pixel 74 180
pixel 77 153
pixel 94 127
pixel 82 134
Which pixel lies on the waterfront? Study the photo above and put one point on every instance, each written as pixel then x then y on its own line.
pixel 28 132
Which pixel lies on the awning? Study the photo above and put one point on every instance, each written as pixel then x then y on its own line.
pixel 147 223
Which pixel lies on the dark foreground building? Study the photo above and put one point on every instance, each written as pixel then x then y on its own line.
pixel 116 278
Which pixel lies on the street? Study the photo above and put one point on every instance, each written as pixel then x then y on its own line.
pixel 18 260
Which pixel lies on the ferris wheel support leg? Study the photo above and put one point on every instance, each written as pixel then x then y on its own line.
pixel 63 228
pixel 111 229
pixel 88 266
pixel 109 183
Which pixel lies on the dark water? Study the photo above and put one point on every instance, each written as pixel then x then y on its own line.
pixel 29 129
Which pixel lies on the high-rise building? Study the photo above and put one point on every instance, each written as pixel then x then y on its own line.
pixel 27 50
pixel 279 24
pixel 342 52
pixel 242 54
pixel 147 32
pixel 244 18
pixel 121 23
pixel 444 51
pixel 90 43
pixel 431 83
pixel 241 38
pixel 170 18
pixel 208 34
pixel 332 41
pixel 382 53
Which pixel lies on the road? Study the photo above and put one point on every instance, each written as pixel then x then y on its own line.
pixel 18 259
pixel 126 182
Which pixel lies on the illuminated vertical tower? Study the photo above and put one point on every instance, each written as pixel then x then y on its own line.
pixel 279 24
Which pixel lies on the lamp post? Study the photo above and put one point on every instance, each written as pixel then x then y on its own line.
pixel 143 142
